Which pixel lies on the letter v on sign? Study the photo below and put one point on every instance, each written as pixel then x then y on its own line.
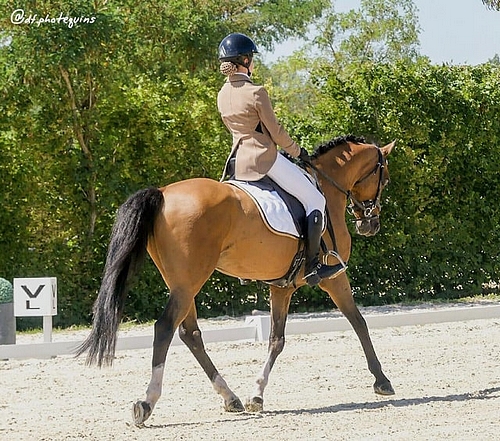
pixel 30 294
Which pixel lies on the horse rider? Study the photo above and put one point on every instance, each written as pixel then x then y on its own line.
pixel 247 112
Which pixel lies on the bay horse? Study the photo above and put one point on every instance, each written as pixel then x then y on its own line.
pixel 193 227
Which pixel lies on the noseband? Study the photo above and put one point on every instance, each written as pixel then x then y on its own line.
pixel 368 206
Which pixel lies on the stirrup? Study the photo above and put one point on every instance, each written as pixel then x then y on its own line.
pixel 337 256
pixel 325 271
pixel 321 272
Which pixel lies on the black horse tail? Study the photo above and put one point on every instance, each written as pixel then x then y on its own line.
pixel 126 252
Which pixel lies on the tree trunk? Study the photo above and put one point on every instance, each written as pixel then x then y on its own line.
pixel 83 141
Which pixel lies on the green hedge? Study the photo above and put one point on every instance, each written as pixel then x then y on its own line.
pixel 440 232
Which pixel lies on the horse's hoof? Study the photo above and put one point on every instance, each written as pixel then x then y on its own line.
pixel 384 388
pixel 141 411
pixel 234 406
pixel 255 404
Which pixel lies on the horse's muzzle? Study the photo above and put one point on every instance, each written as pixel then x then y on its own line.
pixel 368 227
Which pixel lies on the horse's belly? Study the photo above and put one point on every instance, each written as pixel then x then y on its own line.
pixel 264 256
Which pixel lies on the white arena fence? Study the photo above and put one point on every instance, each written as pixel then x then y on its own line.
pixel 256 328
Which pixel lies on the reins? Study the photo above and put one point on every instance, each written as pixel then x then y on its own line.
pixel 368 206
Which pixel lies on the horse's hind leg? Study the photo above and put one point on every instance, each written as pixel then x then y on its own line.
pixel 280 302
pixel 339 290
pixel 177 308
pixel 190 334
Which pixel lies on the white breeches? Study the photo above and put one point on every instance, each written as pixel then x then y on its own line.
pixel 291 179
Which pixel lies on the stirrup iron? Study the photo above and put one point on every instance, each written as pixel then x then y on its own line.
pixel 325 271
pixel 340 260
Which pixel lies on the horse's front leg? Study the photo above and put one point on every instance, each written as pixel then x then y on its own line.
pixel 280 302
pixel 339 290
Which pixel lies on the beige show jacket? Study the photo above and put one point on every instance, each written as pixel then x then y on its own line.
pixel 247 112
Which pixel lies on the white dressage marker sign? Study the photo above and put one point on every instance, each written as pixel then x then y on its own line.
pixel 37 297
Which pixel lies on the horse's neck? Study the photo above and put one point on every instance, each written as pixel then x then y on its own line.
pixel 343 165
pixel 337 164
pixel 336 201
pixel 350 164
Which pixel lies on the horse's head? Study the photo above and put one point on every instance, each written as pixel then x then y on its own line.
pixel 360 171
pixel 366 192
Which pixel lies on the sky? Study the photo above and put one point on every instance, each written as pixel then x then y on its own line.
pixel 452 31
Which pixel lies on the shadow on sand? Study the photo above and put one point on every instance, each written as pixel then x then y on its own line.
pixel 485 394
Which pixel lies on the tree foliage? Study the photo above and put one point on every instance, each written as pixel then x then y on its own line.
pixel 380 31
pixel 90 113
pixel 93 109
pixel 492 4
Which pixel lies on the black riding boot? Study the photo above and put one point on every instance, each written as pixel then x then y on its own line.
pixel 314 270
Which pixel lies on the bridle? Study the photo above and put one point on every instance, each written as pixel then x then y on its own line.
pixel 369 206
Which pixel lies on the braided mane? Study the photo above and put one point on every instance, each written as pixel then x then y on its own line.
pixel 339 140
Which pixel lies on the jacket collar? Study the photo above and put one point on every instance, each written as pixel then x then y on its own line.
pixel 239 77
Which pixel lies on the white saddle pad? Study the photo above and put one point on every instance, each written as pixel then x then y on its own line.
pixel 273 210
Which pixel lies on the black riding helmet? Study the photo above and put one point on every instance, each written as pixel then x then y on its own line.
pixel 236 47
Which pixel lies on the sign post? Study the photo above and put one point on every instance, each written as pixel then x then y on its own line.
pixel 37 297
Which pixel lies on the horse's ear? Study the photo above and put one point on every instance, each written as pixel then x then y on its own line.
pixel 387 149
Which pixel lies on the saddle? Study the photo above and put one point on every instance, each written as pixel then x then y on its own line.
pixel 281 212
